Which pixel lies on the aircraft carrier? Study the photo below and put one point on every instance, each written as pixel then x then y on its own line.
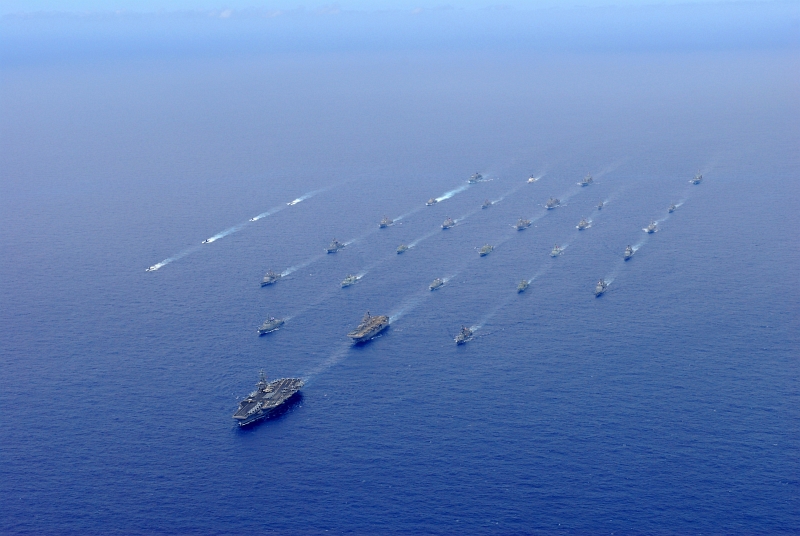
pixel 369 327
pixel 267 398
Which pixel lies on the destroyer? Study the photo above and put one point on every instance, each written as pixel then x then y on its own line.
pixel 401 248
pixel 432 201
pixel 385 222
pixel 552 203
pixel 476 177
pixel 583 224
pixel 522 223
pixel 448 223
pixel 587 180
pixel 485 250
pixel 672 208
pixel 464 335
pixel 652 228
pixel 487 204
pixel 270 277
pixel 523 285
pixel 335 246
pixel 556 251
pixel 349 280
pixel 629 251
pixel 600 288
pixel 369 327
pixel 438 282
pixel 532 179
pixel 697 178
pixel 271 324
pixel 266 399
pixel 600 206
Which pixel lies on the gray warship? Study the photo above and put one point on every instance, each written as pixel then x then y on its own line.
pixel 401 248
pixel 556 251
pixel 349 280
pixel 552 203
pixel 385 222
pixel 487 204
pixel 485 250
pixel 438 282
pixel 266 399
pixel 335 246
pixel 523 285
pixel 652 228
pixel 629 251
pixel 464 335
pixel 448 223
pixel 600 288
pixel 672 208
pixel 532 179
pixel 587 180
pixel 583 224
pixel 697 179
pixel 521 224
pixel 476 177
pixel 271 324
pixel 600 206
pixel 369 327
pixel 432 201
pixel 270 277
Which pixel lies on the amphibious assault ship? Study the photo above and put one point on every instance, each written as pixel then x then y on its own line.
pixel 556 251
pixel 335 246
pixel 270 277
pixel 487 204
pixel 349 280
pixel 587 180
pixel 672 208
pixel 697 179
pixel 485 250
pixel 438 282
pixel 583 224
pixel 448 223
pixel 476 177
pixel 385 222
pixel 552 203
pixel 432 201
pixel 521 224
pixel 464 335
pixel 652 228
pixel 401 248
pixel 523 285
pixel 271 324
pixel 600 288
pixel 266 399
pixel 629 251
pixel 369 327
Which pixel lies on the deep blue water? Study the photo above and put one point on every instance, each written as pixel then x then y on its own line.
pixel 668 405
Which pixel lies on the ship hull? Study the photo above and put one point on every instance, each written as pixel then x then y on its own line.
pixel 371 334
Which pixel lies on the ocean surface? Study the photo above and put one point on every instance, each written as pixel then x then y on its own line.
pixel 668 405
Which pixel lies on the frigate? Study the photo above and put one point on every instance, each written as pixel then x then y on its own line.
pixel 349 280
pixel 521 224
pixel 335 246
pixel 385 222
pixel 652 228
pixel 464 335
pixel 583 224
pixel 672 208
pixel 523 285
pixel 485 250
pixel 532 179
pixel 487 204
pixel 438 282
pixel 587 180
pixel 556 251
pixel 401 248
pixel 270 277
pixel 369 327
pixel 697 179
pixel 476 177
pixel 432 201
pixel 552 203
pixel 448 223
pixel 629 251
pixel 271 324
pixel 266 399
pixel 600 288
